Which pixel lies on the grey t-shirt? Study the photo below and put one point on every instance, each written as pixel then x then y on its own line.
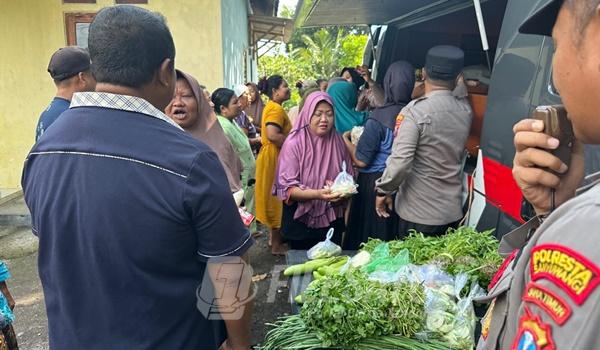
pixel 426 160
pixel 548 297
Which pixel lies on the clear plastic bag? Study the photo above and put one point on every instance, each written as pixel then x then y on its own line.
pixel 451 317
pixel 344 183
pixel 440 300
pixel 238 197
pixel 356 133
pixel 432 276
pixel 462 335
pixel 324 249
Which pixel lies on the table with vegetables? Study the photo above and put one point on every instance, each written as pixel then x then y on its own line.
pixel 416 293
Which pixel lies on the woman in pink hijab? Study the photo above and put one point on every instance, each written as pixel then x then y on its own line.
pixel 309 161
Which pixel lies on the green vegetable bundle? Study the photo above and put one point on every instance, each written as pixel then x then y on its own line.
pixel 312 265
pixel 459 250
pixel 344 309
pixel 291 333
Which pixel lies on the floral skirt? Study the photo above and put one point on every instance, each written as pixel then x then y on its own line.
pixel 8 339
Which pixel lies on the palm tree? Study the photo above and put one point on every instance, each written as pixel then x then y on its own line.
pixel 323 52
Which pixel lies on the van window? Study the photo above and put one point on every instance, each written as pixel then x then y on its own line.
pixel 551 88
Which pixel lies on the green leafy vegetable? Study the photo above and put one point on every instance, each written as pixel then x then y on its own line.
pixel 344 309
pixel 459 250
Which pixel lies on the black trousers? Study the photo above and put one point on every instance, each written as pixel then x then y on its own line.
pixel 404 226
pixel 299 236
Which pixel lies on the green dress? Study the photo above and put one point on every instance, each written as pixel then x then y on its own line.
pixel 241 145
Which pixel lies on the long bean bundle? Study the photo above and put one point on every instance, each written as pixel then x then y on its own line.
pixel 291 333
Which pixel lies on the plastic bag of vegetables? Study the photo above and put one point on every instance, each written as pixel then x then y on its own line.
pixel 356 133
pixel 432 276
pixel 440 301
pixel 324 249
pixel 344 183
pixel 379 254
pixel 462 335
pixel 451 317
pixel 385 268
pixel 388 269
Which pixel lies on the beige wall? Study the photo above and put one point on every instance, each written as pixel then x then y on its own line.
pixel 33 29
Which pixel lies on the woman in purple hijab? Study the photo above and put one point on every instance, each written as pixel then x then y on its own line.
pixel 310 160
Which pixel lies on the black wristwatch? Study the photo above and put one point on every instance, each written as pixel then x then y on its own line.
pixel 379 194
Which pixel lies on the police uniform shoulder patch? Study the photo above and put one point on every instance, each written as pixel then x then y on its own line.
pixel 549 301
pixel 569 270
pixel 533 334
pixel 487 320
pixel 399 119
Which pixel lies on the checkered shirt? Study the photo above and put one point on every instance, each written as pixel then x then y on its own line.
pixel 121 102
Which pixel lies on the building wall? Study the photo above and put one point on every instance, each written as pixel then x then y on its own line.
pixel 34 29
pixel 236 68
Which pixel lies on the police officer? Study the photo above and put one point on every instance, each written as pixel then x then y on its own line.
pixel 546 295
pixel 426 161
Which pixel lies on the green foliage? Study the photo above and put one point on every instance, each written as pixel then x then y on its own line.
pixel 290 70
pixel 321 53
pixel 297 42
pixel 345 309
pixel 459 250
pixel 325 53
pixel 353 46
pixel 315 53
pixel 286 12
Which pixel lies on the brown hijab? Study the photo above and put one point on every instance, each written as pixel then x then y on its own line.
pixel 208 130
pixel 254 110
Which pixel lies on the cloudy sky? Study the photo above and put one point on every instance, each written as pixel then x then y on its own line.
pixel 288 3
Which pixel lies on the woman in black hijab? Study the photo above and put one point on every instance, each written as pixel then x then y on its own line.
pixel 370 155
pixel 351 75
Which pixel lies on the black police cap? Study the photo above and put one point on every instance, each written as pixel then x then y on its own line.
pixel 444 62
pixel 542 21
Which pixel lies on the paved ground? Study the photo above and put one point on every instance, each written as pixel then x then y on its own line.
pixel 272 297
pixel 30 313
pixel 31 321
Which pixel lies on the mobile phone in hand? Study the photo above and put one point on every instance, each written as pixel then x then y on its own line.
pixel 557 125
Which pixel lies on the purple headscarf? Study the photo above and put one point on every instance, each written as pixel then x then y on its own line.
pixel 307 161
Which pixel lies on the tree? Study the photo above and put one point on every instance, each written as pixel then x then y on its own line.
pixel 322 52
pixel 315 53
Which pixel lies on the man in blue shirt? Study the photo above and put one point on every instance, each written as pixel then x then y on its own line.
pixel 135 218
pixel 69 67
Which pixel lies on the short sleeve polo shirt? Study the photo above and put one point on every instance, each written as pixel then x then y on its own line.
pixel 50 114
pixel 128 208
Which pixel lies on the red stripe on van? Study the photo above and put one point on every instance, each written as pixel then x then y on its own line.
pixel 501 190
